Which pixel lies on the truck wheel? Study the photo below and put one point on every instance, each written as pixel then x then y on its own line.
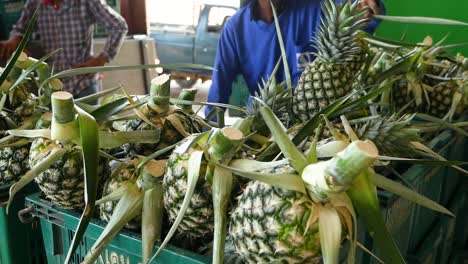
pixel 184 83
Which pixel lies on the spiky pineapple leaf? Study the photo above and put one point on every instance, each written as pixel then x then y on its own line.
pixel 33 133
pixel 115 195
pixel 32 68
pixel 118 138
pixel 96 96
pixel 151 220
pixel 290 151
pixel 129 206
pixel 405 192
pixel 330 234
pixel 154 155
pixel 20 48
pixel 221 191
pixel 249 165
pixel 426 162
pixel 363 194
pixel 89 142
pixel 283 50
pixel 187 102
pixel 422 20
pixel 87 70
pixel 287 181
pixel 101 113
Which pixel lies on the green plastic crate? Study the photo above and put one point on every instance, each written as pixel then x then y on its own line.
pixel 431 248
pixel 399 213
pixel 58 225
pixel 10 11
pixel 19 243
pixel 456 205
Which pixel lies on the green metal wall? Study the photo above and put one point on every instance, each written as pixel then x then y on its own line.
pixel 451 9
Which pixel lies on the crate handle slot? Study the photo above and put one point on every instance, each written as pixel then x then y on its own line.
pixel 26 215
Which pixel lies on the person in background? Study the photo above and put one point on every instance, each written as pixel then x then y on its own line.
pixel 248 48
pixel 68 25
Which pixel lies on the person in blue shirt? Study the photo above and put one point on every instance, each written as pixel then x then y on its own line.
pixel 249 48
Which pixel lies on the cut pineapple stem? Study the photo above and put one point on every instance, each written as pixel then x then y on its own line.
pixel 65 126
pixel 45 121
pixel 225 144
pixel 160 93
pixel 325 178
pixel 24 62
pixel 347 164
pixel 188 95
pixel 56 84
pixel 151 174
pixel 62 107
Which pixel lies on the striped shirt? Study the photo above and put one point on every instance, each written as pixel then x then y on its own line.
pixel 70 29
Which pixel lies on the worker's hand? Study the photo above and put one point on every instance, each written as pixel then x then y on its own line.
pixel 8 47
pixel 93 61
pixel 374 8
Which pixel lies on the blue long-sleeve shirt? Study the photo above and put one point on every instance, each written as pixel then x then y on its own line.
pixel 250 47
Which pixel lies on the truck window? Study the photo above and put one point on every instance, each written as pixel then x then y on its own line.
pixel 217 17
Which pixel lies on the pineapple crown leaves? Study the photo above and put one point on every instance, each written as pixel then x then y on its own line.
pixel 336 39
pixel 392 134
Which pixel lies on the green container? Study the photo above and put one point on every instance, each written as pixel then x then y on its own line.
pixel 10 12
pixel 399 213
pixel 431 248
pixel 58 227
pixel 451 9
pixel 456 205
pixel 19 243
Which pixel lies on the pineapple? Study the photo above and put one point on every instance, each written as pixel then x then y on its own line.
pixel 14 163
pixel 198 220
pixel 339 58
pixel 270 224
pixel 62 183
pixel 437 101
pixel 120 172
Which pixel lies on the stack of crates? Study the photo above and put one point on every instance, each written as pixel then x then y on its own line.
pixel 19 242
pixel 10 12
